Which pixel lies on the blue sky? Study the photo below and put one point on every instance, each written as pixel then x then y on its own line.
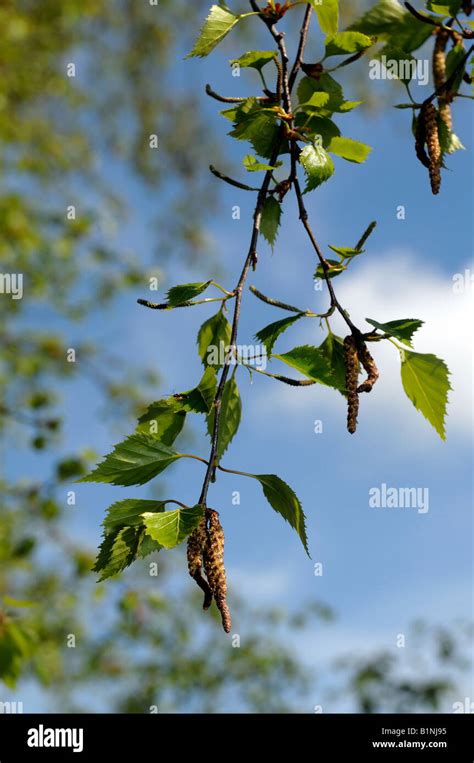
pixel 382 568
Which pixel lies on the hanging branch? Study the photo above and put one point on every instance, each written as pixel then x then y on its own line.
pixel 274 128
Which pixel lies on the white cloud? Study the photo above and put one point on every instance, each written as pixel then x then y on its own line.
pixel 273 584
pixel 397 285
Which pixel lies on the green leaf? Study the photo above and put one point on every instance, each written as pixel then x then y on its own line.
pixel 15 647
pixel 453 60
pixel 134 461
pixel 320 129
pixel 333 351
pixel 252 164
pixel 328 15
pixel 349 149
pixel 324 84
pixel 172 527
pixel 317 100
pixel 231 412
pixel 425 381
pixel 9 601
pixel 346 106
pixel 232 113
pixel 383 19
pixel 347 42
pixel 117 551
pixel 317 164
pixel 412 34
pixel 20 638
pixel 335 269
pixel 180 294
pixel 163 419
pixel 309 361
pixel 389 21
pixel 270 221
pixel 256 59
pixel 256 124
pixel 213 338
pixel 398 63
pixel 445 9
pixel 401 329
pixel 147 546
pixel 448 141
pixel 200 399
pixel 346 251
pixel 281 497
pixel 218 24
pixel 127 513
pixel 268 335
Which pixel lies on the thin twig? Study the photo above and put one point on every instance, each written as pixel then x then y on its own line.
pixel 366 235
pixel 250 260
pixel 421 17
pixel 232 99
pixel 324 264
pixel 290 308
pixel 466 33
pixel 231 181
pixel 299 55
pixel 352 59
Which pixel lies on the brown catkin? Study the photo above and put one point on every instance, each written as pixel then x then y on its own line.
pixel 195 554
pixel 214 566
pixel 430 116
pixel 420 139
pixel 445 113
pixel 439 58
pixel 370 368
pixel 439 76
pixel 352 374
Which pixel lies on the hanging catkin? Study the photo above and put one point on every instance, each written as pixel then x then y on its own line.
pixel 370 368
pixel 214 565
pixel 430 116
pixel 352 374
pixel 195 554
pixel 420 140
pixel 439 76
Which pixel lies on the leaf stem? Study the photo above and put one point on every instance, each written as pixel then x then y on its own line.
pixel 196 458
pixel 324 264
pixel 224 291
pixel 178 503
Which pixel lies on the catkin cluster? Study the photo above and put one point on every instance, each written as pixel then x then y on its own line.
pixel 206 550
pixel 355 352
